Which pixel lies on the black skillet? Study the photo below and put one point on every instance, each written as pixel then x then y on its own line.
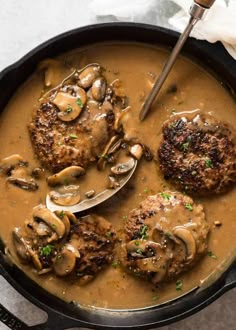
pixel 62 315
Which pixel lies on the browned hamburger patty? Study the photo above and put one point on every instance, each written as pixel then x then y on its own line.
pixel 94 238
pixel 165 236
pixel 59 143
pixel 85 247
pixel 198 154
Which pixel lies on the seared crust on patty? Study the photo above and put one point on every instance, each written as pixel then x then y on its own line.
pixel 72 125
pixel 198 154
pixel 164 236
pixel 61 144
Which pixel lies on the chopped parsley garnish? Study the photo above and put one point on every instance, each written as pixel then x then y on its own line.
pixel 143 232
pixel 166 196
pixel 124 217
pixel 146 190
pixel 73 136
pixel 188 206
pixel 156 297
pixel 168 234
pixel 79 102
pixel 69 109
pixel 210 254
pixel 105 156
pixel 62 213
pixel 185 146
pixel 108 234
pixel 54 226
pixel 66 181
pixel 136 243
pixel 178 285
pixel 208 163
pixel 46 250
pixel 139 251
pixel 115 264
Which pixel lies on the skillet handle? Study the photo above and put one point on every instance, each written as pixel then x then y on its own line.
pixel 54 321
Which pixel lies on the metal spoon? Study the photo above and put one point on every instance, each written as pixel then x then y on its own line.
pixel 97 199
pixel 196 12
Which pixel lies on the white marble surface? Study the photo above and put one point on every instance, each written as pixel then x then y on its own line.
pixel 23 25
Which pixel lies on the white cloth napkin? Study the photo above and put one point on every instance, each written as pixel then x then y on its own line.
pixel 219 24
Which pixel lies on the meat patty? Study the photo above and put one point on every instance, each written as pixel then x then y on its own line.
pixel 165 236
pixel 68 246
pixel 94 238
pixel 198 154
pixel 73 124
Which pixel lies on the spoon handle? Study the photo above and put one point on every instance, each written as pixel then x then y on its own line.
pixel 196 12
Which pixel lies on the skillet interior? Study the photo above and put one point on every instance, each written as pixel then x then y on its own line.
pixel 212 56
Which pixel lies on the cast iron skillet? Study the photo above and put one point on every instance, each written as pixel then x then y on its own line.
pixel 60 314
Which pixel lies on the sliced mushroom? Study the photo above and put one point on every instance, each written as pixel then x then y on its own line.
pixel 41 228
pixel 98 89
pixel 120 117
pixel 41 212
pixel 21 179
pixel 103 158
pixel 66 177
pixel 69 197
pixel 64 262
pixel 8 163
pixel 113 183
pixel 136 151
pixel 72 248
pixel 118 88
pixel 29 185
pixel 123 168
pixel 186 236
pixel 115 147
pixel 53 72
pixel 22 248
pixel 90 193
pixel 88 75
pixel 65 220
pixel 35 258
pixel 70 106
pixel 71 217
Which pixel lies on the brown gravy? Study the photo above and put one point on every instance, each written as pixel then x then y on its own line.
pixel 135 65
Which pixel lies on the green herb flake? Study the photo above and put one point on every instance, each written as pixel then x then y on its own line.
pixel 124 217
pixel 139 251
pixel 54 226
pixel 105 156
pixel 156 297
pixel 210 254
pixel 208 163
pixel 62 213
pixel 79 102
pixel 185 146
pixel 46 250
pixel 73 136
pixel 108 234
pixel 146 190
pixel 188 206
pixel 136 243
pixel 115 264
pixel 168 234
pixel 165 195
pixel 69 109
pixel 178 285
pixel 66 181
pixel 143 232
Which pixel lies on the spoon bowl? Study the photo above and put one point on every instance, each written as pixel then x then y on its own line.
pixel 91 202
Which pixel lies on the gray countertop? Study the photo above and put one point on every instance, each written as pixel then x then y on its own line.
pixel 25 24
